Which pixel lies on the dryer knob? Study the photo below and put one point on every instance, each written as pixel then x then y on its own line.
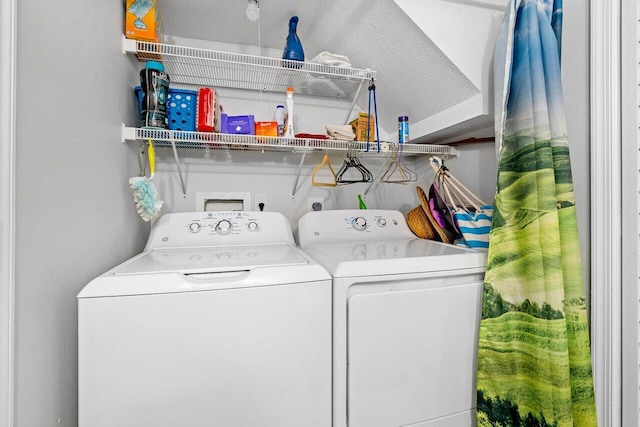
pixel 252 226
pixel 223 227
pixel 382 222
pixel 194 227
pixel 359 223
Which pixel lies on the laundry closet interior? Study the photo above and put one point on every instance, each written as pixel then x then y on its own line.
pixel 431 61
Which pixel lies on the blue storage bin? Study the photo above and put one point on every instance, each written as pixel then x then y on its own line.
pixel 181 109
pixel 138 93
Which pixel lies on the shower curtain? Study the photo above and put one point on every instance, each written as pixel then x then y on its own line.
pixel 534 363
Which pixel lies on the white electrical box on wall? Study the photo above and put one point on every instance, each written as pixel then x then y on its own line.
pixel 217 201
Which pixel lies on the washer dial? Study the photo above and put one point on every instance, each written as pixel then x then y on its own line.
pixel 223 227
pixel 359 223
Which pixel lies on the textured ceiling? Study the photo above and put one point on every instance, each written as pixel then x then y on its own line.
pixel 414 77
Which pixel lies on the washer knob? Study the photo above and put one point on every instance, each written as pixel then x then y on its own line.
pixel 359 223
pixel 194 227
pixel 382 222
pixel 252 226
pixel 223 227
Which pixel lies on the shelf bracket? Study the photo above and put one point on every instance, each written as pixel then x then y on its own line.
pixel 128 133
pixel 295 184
pixel 353 102
pixel 129 46
pixel 175 155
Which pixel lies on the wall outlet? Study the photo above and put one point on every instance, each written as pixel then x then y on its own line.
pixel 315 203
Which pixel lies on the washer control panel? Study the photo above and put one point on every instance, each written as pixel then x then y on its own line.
pixel 352 225
pixel 219 228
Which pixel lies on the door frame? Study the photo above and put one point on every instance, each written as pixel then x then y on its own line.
pixel 606 208
pixel 7 208
pixel 630 164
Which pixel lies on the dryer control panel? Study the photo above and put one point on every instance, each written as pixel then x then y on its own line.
pixel 192 229
pixel 352 225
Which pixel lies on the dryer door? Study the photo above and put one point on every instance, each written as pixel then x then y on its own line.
pixel 412 353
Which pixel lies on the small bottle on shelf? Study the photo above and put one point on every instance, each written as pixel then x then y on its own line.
pixel 279 116
pixel 403 130
pixel 289 129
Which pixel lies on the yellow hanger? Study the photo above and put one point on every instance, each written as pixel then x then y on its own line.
pixel 332 183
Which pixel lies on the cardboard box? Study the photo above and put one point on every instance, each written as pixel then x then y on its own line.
pixel 267 128
pixel 142 21
pixel 359 126
pixel 241 125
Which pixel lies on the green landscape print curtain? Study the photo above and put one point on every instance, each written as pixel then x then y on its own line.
pixel 534 363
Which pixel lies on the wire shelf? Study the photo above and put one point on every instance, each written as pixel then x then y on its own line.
pixel 223 141
pixel 224 69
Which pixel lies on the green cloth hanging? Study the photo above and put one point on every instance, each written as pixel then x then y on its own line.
pixel 534 362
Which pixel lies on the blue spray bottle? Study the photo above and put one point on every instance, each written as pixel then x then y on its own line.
pixel 293 48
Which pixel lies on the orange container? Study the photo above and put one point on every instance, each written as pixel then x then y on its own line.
pixel 267 128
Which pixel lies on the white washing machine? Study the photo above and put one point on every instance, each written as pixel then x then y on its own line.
pixel 221 321
pixel 406 313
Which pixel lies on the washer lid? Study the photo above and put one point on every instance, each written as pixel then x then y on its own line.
pixel 385 257
pixel 179 270
pixel 214 259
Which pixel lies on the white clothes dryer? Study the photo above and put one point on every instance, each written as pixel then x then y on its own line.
pixel 406 313
pixel 220 321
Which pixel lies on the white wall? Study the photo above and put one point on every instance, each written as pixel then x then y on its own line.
pixel 74 214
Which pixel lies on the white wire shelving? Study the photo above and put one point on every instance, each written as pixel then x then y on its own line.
pixel 224 141
pixel 231 142
pixel 205 67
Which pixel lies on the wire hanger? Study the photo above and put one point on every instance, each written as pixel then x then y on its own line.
pixel 330 180
pixel 367 175
pixel 346 174
pixel 397 172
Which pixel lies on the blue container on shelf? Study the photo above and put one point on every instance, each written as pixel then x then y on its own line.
pixel 138 92
pixel 181 108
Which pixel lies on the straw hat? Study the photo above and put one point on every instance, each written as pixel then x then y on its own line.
pixel 419 223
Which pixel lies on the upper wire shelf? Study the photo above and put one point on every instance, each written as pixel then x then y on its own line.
pixel 224 141
pixel 224 69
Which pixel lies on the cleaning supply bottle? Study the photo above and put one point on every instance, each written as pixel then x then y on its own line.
pixel 293 47
pixel 403 130
pixel 289 130
pixel 279 116
pixel 155 90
